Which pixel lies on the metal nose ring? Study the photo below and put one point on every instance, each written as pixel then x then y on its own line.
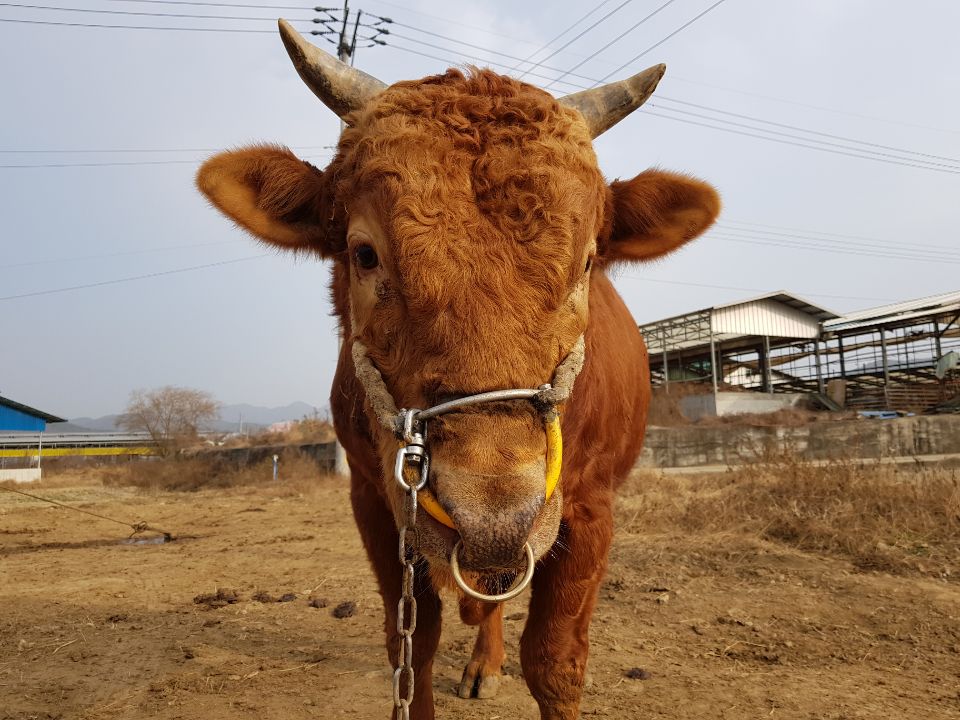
pixel 518 587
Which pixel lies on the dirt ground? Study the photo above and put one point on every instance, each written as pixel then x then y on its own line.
pixel 712 625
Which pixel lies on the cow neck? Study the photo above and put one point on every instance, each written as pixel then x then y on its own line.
pixel 545 398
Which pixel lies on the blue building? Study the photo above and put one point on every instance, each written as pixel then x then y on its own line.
pixel 21 418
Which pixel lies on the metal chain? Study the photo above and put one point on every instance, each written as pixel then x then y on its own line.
pixel 413 454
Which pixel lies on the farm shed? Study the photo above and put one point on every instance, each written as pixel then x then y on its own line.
pixel 766 343
pixel 21 418
pixel 25 422
pixel 904 356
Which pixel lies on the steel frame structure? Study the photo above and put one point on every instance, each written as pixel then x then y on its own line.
pixel 887 359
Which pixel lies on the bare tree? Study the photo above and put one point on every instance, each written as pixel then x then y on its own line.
pixel 172 415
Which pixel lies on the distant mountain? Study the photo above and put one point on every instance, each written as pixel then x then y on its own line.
pixel 253 417
pixel 89 424
pixel 68 427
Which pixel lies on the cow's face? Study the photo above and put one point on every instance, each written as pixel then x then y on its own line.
pixel 465 216
pixel 473 207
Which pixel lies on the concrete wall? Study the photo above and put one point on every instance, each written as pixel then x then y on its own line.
pixel 20 475
pixel 737 445
pixel 695 407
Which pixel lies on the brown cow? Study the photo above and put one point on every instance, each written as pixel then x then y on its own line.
pixel 470 229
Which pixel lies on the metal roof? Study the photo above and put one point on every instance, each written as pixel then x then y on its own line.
pixel 790 300
pixel 781 296
pixel 27 410
pixel 777 315
pixel 897 312
pixel 31 439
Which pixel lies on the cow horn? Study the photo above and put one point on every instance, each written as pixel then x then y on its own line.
pixel 605 106
pixel 342 88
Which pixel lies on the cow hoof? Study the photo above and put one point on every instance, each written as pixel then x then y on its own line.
pixel 477 684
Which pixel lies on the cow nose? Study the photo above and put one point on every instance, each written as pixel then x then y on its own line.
pixel 493 538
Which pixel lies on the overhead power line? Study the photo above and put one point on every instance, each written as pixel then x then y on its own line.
pixel 553 40
pixel 528 42
pixel 806 244
pixel 122 253
pixel 124 163
pixel 146 14
pixel 805 293
pixel 805 139
pixel 612 42
pixel 478 47
pixel 471 57
pixel 799 231
pixel 906 252
pixel 99 164
pixel 65 151
pixel 722 124
pixel 133 278
pixel 821 108
pixel 915 156
pixel 457 23
pixel 907 158
pixel 673 76
pixel 512 68
pixel 810 132
pixel 221 4
pixel 852 154
pixel 137 27
pixel 575 38
pixel 657 44
pixel 873 245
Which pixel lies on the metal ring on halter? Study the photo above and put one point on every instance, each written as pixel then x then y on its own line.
pixel 518 587
pixel 403 453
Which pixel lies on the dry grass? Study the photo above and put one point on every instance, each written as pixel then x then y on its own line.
pixel 896 519
pixel 60 472
pixel 878 517
pixel 201 473
pixel 308 430
pixel 665 403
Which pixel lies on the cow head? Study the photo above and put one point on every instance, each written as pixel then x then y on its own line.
pixel 465 216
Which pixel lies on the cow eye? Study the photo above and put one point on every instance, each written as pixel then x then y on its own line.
pixel 366 257
pixel 589 264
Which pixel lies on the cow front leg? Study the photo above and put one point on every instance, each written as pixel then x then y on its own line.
pixel 381 541
pixel 555 642
pixel 481 677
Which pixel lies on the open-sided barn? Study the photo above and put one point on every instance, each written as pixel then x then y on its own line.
pixel 902 356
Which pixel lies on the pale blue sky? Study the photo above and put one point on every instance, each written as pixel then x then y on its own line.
pixel 259 330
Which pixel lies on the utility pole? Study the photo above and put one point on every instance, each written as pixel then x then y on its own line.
pixel 346 42
pixel 337 29
pixel 345 53
pixel 345 50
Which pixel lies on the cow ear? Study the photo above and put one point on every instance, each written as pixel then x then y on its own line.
pixel 655 213
pixel 271 193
